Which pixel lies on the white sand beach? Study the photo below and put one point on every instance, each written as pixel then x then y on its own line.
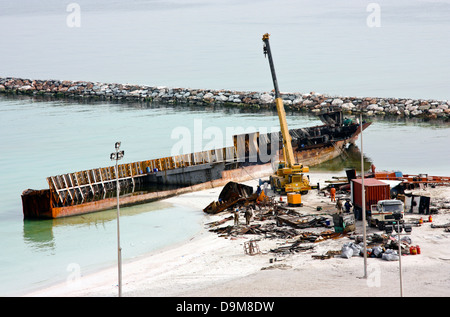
pixel 210 265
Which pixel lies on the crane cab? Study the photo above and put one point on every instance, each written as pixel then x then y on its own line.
pixel 290 182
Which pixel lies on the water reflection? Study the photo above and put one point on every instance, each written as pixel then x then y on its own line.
pixel 39 234
pixel 127 105
pixel 349 159
pixel 410 121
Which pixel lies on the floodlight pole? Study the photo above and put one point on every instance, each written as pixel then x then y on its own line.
pixel 397 217
pixel 363 200
pixel 117 156
pixel 399 257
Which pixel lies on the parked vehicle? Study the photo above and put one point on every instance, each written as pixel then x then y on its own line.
pixel 374 191
pixel 386 214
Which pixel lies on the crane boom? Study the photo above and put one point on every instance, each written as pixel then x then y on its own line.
pixel 289 176
pixel 287 142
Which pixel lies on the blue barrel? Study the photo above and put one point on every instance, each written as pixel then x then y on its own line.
pixel 148 169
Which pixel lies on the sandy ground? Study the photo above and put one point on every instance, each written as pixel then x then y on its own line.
pixel 209 265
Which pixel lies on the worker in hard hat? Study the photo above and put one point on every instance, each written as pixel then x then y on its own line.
pixel 333 193
pixel 236 217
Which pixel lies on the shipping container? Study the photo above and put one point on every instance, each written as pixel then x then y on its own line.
pixel 375 190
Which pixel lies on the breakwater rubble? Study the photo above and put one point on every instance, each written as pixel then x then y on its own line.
pixel 307 102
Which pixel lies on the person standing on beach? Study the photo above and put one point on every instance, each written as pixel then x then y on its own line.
pixel 348 206
pixel 236 217
pixel 339 205
pixel 248 215
pixel 333 194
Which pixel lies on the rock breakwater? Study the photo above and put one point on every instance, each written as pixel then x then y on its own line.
pixel 308 102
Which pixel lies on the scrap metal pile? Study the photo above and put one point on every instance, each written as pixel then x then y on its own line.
pixel 271 219
pixel 231 195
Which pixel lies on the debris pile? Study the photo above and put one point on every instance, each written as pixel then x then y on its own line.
pixel 446 226
pixel 270 219
pixel 380 246
pixel 297 231
pixel 307 237
pixel 233 194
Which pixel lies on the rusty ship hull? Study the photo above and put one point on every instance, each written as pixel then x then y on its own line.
pixel 94 190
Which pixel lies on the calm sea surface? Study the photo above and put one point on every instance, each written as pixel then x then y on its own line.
pixel 326 47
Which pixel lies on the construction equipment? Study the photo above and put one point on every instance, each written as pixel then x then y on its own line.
pixel 294 200
pixel 386 213
pixel 374 191
pixel 290 175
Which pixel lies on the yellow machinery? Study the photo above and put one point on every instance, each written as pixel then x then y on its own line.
pixel 294 199
pixel 289 176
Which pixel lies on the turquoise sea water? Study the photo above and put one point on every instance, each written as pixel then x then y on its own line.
pixel 323 46
pixel 52 137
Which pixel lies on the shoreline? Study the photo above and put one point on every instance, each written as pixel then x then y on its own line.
pixel 104 281
pixel 312 102
pixel 214 266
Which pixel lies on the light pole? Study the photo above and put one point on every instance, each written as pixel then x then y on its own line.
pixel 363 200
pixel 116 156
pixel 397 217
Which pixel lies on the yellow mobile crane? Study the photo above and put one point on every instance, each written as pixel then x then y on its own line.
pixel 289 176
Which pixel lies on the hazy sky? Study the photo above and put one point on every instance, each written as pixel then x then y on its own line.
pixel 352 47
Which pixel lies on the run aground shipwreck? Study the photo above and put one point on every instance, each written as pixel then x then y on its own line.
pixel 252 156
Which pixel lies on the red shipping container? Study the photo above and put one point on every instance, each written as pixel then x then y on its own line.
pixel 375 190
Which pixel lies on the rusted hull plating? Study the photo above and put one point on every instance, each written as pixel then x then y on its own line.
pixel 93 190
pixel 139 198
